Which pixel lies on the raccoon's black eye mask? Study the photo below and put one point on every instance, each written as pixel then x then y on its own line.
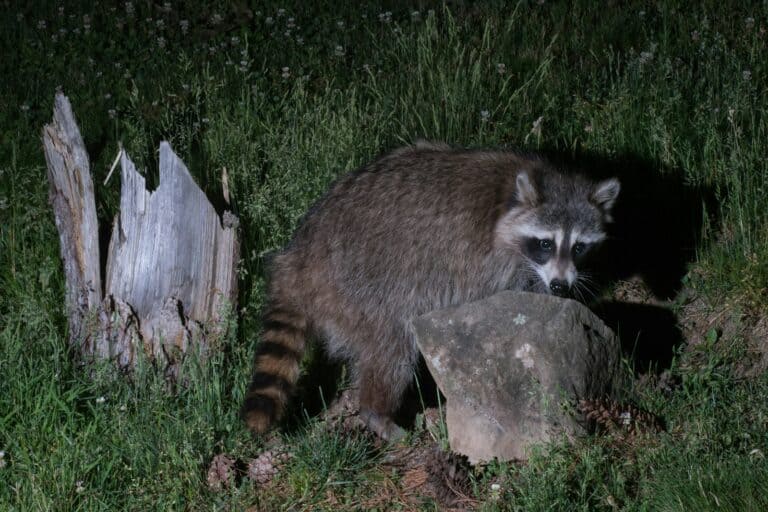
pixel 539 250
pixel 580 251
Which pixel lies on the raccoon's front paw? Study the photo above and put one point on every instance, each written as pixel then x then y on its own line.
pixel 382 426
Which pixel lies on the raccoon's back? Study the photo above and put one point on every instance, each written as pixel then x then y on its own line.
pixel 413 224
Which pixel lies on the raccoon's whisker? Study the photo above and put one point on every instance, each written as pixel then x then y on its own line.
pixel 586 285
pixel 584 290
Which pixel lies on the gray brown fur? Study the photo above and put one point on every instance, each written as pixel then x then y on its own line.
pixel 421 228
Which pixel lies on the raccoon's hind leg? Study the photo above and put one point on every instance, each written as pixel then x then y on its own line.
pixel 384 373
pixel 276 367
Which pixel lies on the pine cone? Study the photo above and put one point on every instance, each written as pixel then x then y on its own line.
pixel 614 417
pixel 448 476
pixel 220 472
pixel 266 466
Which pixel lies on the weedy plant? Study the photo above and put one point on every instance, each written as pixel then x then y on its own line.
pixel 287 97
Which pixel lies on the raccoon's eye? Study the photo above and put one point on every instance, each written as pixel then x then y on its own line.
pixel 579 248
pixel 545 245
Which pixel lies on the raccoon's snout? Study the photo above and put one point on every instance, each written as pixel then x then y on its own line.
pixel 560 288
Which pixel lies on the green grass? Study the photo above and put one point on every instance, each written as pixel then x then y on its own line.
pixel 676 85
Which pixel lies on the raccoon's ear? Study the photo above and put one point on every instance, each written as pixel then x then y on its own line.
pixel 605 194
pixel 525 190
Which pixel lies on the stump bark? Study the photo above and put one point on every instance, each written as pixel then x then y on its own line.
pixel 170 277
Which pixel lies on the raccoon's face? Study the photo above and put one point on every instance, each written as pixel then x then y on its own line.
pixel 555 224
pixel 556 256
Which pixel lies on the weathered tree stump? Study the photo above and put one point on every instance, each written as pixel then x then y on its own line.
pixel 170 274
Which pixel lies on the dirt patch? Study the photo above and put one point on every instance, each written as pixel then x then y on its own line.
pixel 709 320
pixel 420 469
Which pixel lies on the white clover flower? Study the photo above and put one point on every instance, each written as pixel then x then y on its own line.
pixel 626 418
pixel 234 40
pixel 286 72
pixel 340 24
pixel 290 23
pixel 588 128
pixel 339 51
pixel 485 115
pixel 167 7
pixel 749 22
pixel 501 68
pixel 107 96
pixel 536 128
pixel 269 20
pixel 645 57
pixel 184 25
pixel 695 36
pixel 160 24
pixel 415 15
pixel 280 13
pixel 129 9
pixel 385 17
pixel 41 25
pixel 24 107
pixel 747 74
pixel 216 19
pixel 79 489
pixel 101 400
pixel 300 40
pixel 161 42
pixel 61 10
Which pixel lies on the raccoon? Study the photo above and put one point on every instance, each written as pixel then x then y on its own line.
pixel 421 228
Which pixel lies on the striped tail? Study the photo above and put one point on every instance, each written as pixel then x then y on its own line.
pixel 276 368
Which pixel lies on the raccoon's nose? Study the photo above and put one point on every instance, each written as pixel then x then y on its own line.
pixel 560 287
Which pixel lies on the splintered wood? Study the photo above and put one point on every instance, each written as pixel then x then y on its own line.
pixel 170 273
pixel 72 199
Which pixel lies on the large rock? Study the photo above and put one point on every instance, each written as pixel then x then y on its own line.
pixel 511 366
